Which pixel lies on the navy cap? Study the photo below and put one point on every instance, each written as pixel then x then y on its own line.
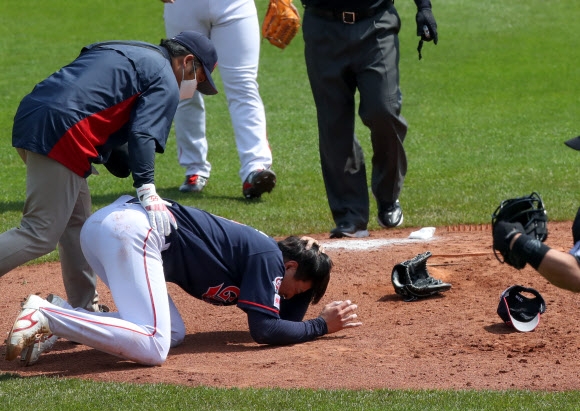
pixel 573 143
pixel 202 48
pixel 518 310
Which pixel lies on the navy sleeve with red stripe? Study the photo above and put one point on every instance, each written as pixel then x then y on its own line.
pixel 268 330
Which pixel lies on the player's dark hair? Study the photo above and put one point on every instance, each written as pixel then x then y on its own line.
pixel 176 49
pixel 312 264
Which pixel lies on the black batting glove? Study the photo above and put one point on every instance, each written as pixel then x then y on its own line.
pixel 426 25
pixel 576 227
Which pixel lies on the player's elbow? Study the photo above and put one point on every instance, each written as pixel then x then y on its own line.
pixel 266 336
pixel 260 336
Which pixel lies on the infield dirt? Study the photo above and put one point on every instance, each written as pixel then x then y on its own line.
pixel 454 340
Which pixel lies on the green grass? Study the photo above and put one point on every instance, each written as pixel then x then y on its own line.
pixel 488 110
pixel 60 394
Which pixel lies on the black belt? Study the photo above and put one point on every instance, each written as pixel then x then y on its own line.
pixel 349 17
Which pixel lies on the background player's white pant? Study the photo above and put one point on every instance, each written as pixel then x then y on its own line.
pixel 234 29
pixel 125 252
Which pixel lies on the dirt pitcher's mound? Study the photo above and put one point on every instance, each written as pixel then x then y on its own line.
pixel 454 340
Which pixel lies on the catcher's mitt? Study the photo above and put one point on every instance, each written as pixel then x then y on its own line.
pixel 412 280
pixel 528 211
pixel 281 23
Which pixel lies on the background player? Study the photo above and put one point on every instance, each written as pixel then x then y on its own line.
pixel 114 95
pixel 213 259
pixel 234 29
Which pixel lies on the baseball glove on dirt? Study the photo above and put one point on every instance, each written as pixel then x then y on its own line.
pixel 281 23
pixel 412 280
pixel 525 215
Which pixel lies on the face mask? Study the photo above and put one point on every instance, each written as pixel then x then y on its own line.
pixel 187 87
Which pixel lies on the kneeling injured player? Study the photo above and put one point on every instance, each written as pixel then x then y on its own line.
pixel 212 258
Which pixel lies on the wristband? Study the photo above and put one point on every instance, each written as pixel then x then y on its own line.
pixel 423 4
pixel 530 249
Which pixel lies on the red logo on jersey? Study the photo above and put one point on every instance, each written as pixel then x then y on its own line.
pixel 277 281
pixel 220 295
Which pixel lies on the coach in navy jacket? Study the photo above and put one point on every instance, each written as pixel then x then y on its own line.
pixel 112 105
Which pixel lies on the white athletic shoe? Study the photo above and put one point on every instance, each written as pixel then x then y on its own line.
pixel 29 324
pixel 43 343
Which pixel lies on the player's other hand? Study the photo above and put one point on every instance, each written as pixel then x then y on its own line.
pixel 310 242
pixel 426 25
pixel 160 217
pixel 339 315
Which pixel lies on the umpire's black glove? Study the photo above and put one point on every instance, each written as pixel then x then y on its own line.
pixel 426 25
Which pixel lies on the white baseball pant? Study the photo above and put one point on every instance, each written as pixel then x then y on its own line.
pixel 125 252
pixel 234 29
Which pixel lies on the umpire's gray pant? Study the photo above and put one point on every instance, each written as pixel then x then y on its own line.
pixel 58 202
pixel 341 58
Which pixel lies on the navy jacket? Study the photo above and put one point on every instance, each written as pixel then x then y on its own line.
pixel 113 93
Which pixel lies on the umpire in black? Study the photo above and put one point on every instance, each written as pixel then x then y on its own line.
pixel 350 45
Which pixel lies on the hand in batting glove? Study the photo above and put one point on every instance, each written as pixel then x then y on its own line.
pixel 160 217
pixel 503 234
pixel 426 25
pixel 576 227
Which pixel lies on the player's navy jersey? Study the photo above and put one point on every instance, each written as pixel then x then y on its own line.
pixel 223 262
pixel 111 94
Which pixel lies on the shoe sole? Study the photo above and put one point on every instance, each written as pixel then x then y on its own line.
pixel 190 189
pixel 199 185
pixel 27 352
pixel 26 356
pixel 25 361
pixel 14 350
pixel 358 234
pixel 263 184
pixel 390 226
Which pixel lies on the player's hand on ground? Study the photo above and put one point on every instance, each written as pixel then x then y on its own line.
pixel 339 315
pixel 160 217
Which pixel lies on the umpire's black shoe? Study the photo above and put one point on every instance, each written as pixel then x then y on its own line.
pixel 391 215
pixel 348 230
